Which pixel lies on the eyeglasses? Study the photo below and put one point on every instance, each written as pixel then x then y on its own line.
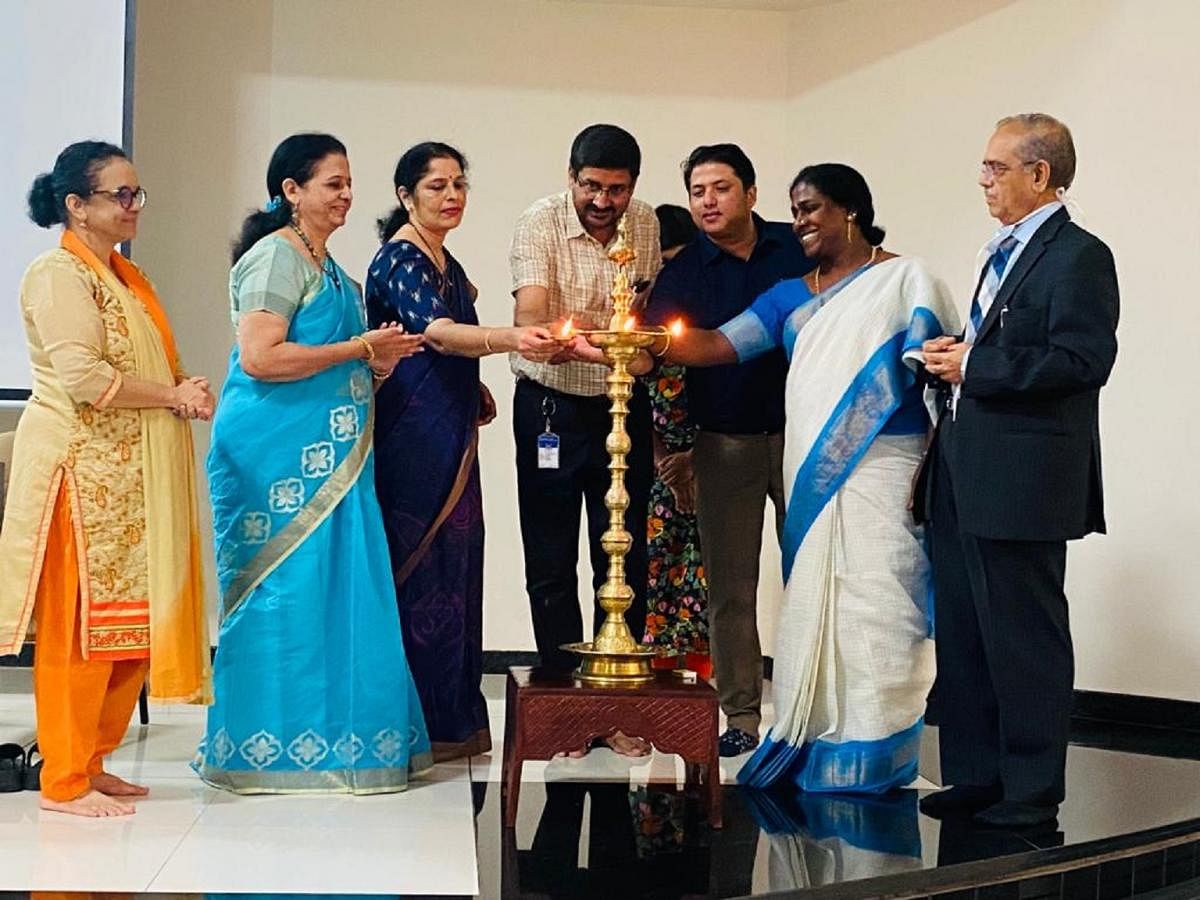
pixel 592 189
pixel 126 196
pixel 995 170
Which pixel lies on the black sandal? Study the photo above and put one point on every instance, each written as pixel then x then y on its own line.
pixel 33 770
pixel 12 768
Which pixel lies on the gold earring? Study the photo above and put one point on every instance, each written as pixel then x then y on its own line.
pixel 849 230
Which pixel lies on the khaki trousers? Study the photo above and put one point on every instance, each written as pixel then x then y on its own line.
pixel 735 475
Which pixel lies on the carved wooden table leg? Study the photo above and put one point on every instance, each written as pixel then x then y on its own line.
pixel 714 775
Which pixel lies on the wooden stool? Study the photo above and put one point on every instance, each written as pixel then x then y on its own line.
pixel 548 713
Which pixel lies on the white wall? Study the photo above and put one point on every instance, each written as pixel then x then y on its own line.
pixel 907 90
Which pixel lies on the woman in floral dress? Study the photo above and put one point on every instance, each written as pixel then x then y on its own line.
pixel 676 600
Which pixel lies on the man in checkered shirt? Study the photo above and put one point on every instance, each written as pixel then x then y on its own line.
pixel 560 270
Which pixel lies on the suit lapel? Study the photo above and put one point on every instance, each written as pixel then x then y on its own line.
pixel 1024 265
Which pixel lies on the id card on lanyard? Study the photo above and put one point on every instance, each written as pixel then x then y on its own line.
pixel 547 441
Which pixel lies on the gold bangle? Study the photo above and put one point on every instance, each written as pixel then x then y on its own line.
pixel 487 341
pixel 366 346
pixel 381 376
pixel 666 347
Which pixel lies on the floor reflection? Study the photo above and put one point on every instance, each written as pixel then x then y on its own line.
pixel 820 839
pixel 606 840
pixel 647 841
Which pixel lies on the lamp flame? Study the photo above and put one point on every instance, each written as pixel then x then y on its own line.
pixel 676 328
pixel 566 329
pixel 630 324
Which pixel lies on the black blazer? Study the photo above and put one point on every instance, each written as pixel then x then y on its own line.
pixel 1024 449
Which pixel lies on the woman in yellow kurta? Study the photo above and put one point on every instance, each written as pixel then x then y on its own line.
pixel 100 543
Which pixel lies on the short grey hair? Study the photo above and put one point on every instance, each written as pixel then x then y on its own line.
pixel 1046 138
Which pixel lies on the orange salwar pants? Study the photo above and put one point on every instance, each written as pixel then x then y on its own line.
pixel 83 705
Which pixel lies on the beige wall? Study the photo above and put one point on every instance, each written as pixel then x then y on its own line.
pixel 219 83
pixel 907 90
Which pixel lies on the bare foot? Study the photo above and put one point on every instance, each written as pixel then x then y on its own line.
pixel 117 787
pixel 572 754
pixel 93 804
pixel 625 745
pixel 619 742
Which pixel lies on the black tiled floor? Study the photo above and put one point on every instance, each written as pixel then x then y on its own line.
pixel 1176 743
pixel 653 842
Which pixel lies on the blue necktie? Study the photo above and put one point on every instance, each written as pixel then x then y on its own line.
pixel 989 286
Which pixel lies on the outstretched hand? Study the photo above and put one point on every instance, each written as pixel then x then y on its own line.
pixel 537 344
pixel 391 344
pixel 582 350
pixel 576 347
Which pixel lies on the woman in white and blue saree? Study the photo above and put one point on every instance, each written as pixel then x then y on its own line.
pixel 853 657
pixel 313 692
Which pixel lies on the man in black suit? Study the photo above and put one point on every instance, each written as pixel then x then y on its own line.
pixel 1013 473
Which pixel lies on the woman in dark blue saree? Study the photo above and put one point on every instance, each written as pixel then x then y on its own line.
pixel 426 436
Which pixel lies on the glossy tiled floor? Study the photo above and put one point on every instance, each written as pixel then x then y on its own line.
pixel 189 838
pixel 602 826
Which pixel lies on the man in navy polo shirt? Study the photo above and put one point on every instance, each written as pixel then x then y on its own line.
pixel 738 456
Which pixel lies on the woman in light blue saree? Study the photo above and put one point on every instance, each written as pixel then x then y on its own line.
pixel 313 692
pixel 853 655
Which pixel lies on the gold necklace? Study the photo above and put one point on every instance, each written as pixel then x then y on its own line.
pixel 817 270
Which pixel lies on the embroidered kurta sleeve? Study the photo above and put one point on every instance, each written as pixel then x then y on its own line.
pixel 62 305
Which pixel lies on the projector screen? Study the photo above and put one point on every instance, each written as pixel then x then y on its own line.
pixel 63 68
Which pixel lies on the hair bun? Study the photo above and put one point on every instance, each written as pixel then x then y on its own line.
pixel 43 209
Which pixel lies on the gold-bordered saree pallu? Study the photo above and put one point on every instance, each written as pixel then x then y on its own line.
pixel 128 475
pixel 313 692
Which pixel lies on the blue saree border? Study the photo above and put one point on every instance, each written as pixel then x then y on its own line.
pixel 875 393
pixel 861 767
